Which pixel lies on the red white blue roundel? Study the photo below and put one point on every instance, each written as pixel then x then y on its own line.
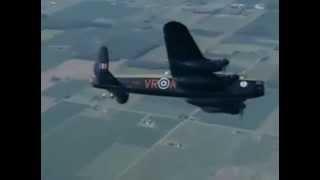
pixel 164 83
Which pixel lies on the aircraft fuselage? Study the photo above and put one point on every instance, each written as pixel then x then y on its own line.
pixel 168 86
pixel 193 77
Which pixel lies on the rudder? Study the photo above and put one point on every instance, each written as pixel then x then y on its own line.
pixel 101 69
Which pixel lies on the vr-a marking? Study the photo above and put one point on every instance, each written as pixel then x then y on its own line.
pixel 162 83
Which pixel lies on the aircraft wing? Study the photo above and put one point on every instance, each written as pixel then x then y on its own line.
pixel 184 56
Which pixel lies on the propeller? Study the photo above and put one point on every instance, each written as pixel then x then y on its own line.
pixel 241 113
pixel 166 73
pixel 242 76
pixel 111 95
pixel 224 69
pixel 104 95
pixel 245 71
pixel 225 62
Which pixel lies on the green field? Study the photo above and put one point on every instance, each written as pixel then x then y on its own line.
pixel 86 135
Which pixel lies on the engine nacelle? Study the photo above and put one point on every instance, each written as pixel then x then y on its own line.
pixel 204 66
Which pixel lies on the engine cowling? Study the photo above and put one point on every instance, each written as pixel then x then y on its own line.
pixel 205 66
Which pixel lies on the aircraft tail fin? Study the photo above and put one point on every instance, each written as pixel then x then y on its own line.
pixel 101 69
pixel 179 43
pixel 104 79
pixel 103 55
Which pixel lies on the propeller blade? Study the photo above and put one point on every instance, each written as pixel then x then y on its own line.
pixel 242 112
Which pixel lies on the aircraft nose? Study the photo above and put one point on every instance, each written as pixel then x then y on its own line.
pixel 260 87
pixel 225 61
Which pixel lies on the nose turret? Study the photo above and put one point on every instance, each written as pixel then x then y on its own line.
pixel 260 88
pixel 247 88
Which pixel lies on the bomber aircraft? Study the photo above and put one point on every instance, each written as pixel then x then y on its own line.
pixel 201 81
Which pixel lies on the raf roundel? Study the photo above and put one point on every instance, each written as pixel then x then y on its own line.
pixel 164 83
